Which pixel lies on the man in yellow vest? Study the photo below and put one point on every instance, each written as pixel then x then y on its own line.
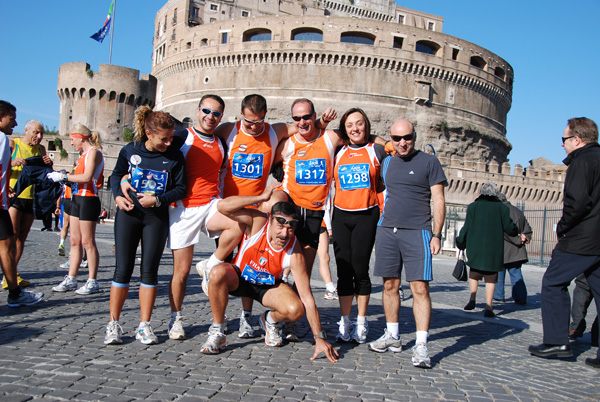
pixel 21 209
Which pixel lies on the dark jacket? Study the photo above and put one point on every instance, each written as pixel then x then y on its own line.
pixel 579 228
pixel 515 252
pixel 46 192
pixel 483 233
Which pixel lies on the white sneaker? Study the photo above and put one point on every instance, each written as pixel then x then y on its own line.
pixel 420 357
pixel 344 331
pixel 176 330
pixel 145 334
pixel 84 264
pixel 203 271
pixel 91 286
pixel 386 342
pixel 65 264
pixel 272 331
pixel 113 333
pixel 66 285
pixel 216 342
pixel 359 335
pixel 246 330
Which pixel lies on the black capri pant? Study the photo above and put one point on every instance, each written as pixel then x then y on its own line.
pixel 130 227
pixel 353 240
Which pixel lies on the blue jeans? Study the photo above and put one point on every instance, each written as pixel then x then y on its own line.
pixel 519 290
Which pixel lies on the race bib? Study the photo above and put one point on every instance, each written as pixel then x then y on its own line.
pixel 354 176
pixel 311 172
pixel 149 181
pixel 74 188
pixel 247 166
pixel 256 277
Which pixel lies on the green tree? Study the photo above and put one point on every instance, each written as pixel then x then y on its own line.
pixel 127 134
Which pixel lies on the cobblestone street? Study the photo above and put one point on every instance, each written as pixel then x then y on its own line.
pixel 55 350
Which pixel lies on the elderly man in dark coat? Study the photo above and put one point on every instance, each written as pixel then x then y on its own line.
pixel 515 255
pixel 483 237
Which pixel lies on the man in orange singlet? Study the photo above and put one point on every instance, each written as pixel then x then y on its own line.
pixel 268 247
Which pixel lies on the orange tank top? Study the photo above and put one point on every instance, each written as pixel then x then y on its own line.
pixel 308 169
pixel 89 189
pixel 249 161
pixel 203 160
pixel 259 262
pixel 356 174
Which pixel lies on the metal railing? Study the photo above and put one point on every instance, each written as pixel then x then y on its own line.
pixel 542 221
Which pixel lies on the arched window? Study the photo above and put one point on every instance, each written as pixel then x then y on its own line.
pixel 362 38
pixel 258 34
pixel 427 47
pixel 308 34
pixel 477 61
pixel 499 72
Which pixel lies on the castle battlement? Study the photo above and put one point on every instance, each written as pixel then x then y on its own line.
pixel 104 100
pixel 535 187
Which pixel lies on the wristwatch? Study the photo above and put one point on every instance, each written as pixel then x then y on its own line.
pixel 157 202
pixel 439 236
pixel 321 335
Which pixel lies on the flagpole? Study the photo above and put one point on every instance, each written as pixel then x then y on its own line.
pixel 112 30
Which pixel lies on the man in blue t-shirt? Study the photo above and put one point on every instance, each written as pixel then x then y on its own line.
pixel 404 236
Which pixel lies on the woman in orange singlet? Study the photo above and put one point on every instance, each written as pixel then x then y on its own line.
pixel 85 207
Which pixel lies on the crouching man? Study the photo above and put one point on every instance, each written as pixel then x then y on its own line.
pixel 269 246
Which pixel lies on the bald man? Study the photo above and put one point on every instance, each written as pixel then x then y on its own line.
pixel 405 237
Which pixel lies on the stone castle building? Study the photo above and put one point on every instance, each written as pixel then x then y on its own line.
pixel 391 61
pixel 388 60
pixel 104 99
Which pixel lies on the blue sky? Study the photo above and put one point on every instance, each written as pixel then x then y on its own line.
pixel 551 45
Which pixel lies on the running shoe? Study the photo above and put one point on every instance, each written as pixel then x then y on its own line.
pixel 113 333
pixel 401 292
pixel 91 286
pixel 84 264
pixel 359 335
pixel 145 334
pixel 344 331
pixel 289 332
pixel 66 285
pixel 20 281
pixel 203 271
pixel 25 299
pixel 216 342
pixel 331 295
pixel 420 357
pixel 66 264
pixel 176 330
pixel 386 342
pixel 61 250
pixel 246 331
pixel 272 331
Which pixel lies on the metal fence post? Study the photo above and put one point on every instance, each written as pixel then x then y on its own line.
pixel 543 236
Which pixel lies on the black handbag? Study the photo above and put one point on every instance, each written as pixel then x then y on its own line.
pixel 460 269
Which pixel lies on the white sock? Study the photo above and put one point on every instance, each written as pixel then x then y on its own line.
pixel 361 320
pixel 422 337
pixel 330 287
pixel 220 326
pixel 246 313
pixel 212 262
pixel 62 242
pixel 285 278
pixel 175 314
pixel 393 329
pixel 270 319
pixel 72 277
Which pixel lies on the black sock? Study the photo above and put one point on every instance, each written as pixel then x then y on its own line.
pixel 14 294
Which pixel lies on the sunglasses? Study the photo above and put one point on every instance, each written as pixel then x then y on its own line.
pixel 261 121
pixel 215 113
pixel 408 137
pixel 305 117
pixel 567 138
pixel 282 221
